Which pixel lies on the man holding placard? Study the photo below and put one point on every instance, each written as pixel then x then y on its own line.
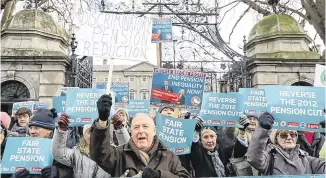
pixel 149 161
pixel 41 128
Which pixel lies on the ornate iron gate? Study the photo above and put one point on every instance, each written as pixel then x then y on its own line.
pixel 81 70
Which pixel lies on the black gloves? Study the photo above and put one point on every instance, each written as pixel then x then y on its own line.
pixel 187 115
pixel 244 121
pixel 151 173
pixel 50 172
pixel 54 113
pixel 200 123
pixel 23 173
pixel 266 120
pixel 104 106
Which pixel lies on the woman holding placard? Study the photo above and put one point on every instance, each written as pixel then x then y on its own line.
pixel 282 156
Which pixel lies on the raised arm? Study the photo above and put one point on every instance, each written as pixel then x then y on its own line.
pixel 101 151
pixel 257 155
pixel 60 152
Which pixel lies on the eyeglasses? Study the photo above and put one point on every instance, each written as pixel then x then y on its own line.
pixel 285 135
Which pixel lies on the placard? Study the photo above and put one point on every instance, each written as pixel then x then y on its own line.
pixel 33 106
pixel 296 107
pixel 112 35
pixel 254 101
pixel 221 109
pixel 82 103
pixel 59 103
pixel 137 106
pixel 162 30
pixel 176 134
pixel 176 87
pixel 26 152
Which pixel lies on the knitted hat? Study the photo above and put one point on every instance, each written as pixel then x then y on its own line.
pixel 86 127
pixel 5 120
pixel 162 107
pixel 208 129
pixel 42 118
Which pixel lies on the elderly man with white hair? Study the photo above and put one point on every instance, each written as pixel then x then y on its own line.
pixel 144 155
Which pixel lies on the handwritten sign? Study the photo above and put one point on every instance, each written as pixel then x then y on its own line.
pixel 162 30
pixel 26 152
pixel 221 109
pixel 33 106
pixel 112 35
pixel 296 108
pixel 320 76
pixel 137 106
pixel 177 87
pixel 176 134
pixel 254 101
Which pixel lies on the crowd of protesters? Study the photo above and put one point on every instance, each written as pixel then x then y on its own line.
pixel 128 147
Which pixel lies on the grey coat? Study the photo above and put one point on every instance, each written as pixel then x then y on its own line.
pixel 295 162
pixel 82 165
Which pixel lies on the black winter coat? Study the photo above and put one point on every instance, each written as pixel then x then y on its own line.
pixel 202 162
pixel 315 147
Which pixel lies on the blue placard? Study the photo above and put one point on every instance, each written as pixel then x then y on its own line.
pixel 26 152
pixel 137 106
pixel 296 107
pixel 81 103
pixel 221 109
pixel 32 105
pixel 162 30
pixel 177 87
pixel 59 103
pixel 64 90
pixel 254 101
pixel 176 134
pixel 121 90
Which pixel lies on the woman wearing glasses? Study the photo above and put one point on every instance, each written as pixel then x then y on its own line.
pixel 282 156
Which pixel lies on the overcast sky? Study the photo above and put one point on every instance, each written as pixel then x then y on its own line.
pixel 243 28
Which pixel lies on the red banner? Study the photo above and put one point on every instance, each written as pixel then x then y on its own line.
pixel 165 95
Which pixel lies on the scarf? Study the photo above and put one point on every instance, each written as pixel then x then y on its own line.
pixel 218 165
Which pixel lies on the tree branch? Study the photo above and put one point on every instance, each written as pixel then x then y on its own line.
pixel 236 23
pixel 256 7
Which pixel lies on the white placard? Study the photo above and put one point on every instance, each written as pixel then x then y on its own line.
pixel 320 76
pixel 112 36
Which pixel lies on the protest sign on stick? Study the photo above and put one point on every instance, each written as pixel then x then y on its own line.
pixel 176 134
pixel 121 90
pixel 296 107
pixel 112 35
pixel 254 101
pixel 59 103
pixel 320 76
pixel 26 152
pixel 176 87
pixel 221 109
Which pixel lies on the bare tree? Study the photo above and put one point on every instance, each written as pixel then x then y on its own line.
pixel 312 11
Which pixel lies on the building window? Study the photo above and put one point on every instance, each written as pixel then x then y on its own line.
pixel 144 94
pixel 106 79
pixel 144 79
pixel 119 79
pixel 132 95
pixel 131 79
pixel 94 79
pixel 105 62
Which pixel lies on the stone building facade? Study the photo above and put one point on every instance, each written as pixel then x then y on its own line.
pixel 279 54
pixel 139 77
pixel 34 58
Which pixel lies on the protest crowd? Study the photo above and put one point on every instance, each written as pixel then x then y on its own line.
pixel 117 144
